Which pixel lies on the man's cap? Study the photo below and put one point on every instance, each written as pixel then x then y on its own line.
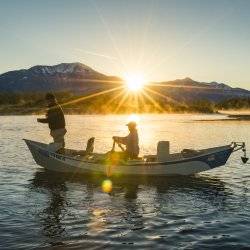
pixel 50 96
pixel 131 124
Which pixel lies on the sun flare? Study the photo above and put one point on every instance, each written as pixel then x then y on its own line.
pixel 134 82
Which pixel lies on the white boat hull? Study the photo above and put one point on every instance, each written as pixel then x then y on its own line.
pixel 210 159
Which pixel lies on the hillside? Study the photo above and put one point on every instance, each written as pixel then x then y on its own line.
pixel 189 90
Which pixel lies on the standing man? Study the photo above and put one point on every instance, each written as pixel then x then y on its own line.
pixel 56 122
pixel 131 141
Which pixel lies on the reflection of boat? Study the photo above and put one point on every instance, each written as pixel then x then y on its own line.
pixel 53 211
pixel 129 185
pixel 188 162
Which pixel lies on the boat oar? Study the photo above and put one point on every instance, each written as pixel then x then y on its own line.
pixel 121 147
pixel 110 156
pixel 113 147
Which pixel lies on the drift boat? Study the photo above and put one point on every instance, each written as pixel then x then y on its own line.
pixel 187 162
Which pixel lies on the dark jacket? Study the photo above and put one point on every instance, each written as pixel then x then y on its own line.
pixel 54 117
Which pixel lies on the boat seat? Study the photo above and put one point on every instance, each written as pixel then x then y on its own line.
pixel 90 145
pixel 150 158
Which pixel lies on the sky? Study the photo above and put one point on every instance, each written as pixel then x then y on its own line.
pixel 206 40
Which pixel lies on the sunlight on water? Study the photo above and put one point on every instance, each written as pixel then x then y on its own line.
pixel 97 222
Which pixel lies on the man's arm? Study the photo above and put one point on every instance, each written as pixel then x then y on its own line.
pixel 42 120
pixel 122 140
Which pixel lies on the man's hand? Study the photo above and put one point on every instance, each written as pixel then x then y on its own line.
pixel 42 120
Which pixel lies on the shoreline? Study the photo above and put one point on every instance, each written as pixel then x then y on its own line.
pixel 227 119
pixel 226 116
pixel 99 113
pixel 230 118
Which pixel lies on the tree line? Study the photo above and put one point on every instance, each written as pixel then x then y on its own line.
pixel 33 103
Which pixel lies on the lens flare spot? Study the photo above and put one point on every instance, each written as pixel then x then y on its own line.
pixel 107 186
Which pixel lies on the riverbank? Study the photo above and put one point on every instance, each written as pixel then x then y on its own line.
pixel 228 118
pixel 75 111
pixel 22 104
pixel 34 104
pixel 103 109
pixel 19 111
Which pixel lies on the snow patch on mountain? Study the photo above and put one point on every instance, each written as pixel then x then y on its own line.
pixel 63 68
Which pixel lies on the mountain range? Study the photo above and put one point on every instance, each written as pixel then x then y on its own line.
pixel 75 77
pixel 81 79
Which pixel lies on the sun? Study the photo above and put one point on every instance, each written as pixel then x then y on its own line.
pixel 134 82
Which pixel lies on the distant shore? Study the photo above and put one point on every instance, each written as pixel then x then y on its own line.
pixel 14 111
pixel 79 111
pixel 240 117
pixel 229 118
pixel 34 104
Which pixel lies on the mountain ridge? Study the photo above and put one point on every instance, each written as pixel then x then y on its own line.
pixel 60 77
pixel 79 78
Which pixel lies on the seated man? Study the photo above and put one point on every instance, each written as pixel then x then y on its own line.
pixel 131 142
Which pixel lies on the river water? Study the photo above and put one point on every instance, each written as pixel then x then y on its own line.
pixel 41 210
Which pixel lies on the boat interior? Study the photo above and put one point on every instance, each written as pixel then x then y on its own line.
pixel 163 153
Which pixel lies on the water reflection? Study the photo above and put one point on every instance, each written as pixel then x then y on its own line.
pixel 52 215
pixel 125 201
pixel 125 209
